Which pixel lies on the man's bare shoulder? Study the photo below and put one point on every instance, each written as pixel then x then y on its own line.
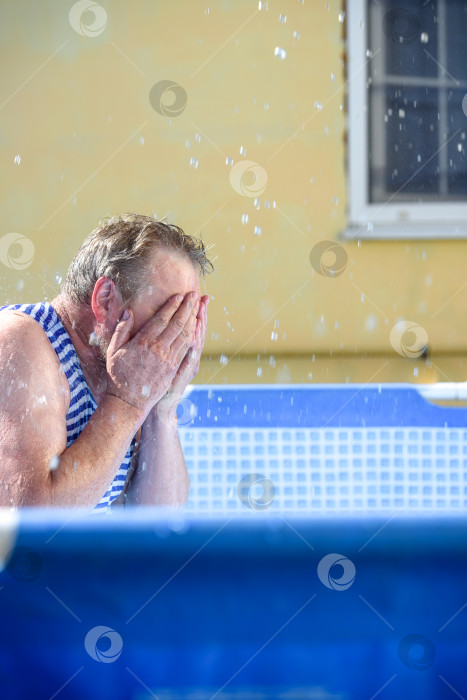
pixel 25 348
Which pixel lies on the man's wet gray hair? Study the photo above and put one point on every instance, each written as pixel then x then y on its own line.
pixel 121 249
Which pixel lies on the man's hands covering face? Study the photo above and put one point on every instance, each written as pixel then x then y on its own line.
pixel 189 367
pixel 153 367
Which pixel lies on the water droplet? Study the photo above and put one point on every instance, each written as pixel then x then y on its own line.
pixel 20 285
pixel 206 11
pixel 415 371
pixel 257 230
pixel 333 77
pixel 371 322
pixel 141 140
pixel 259 372
pixel 242 151
pixel 188 144
pixel 402 113
pixel 283 19
pixel 370 227
pixel 273 336
pixel 93 339
pixel 223 359
pixel 244 218
pixel 267 204
pixel 318 106
pixel 296 35
pixel 229 160
pixel 18 159
pixel 266 106
pixel 280 52
pixel 341 16
pixel 424 38
pixel 256 203
pixel 54 462
pixel 197 138
pixel 459 147
pixel 194 162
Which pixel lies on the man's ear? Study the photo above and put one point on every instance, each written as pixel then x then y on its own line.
pixel 104 295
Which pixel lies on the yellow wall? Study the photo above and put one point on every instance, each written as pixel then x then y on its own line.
pixel 76 110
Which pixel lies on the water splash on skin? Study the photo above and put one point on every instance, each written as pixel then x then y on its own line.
pixel 54 462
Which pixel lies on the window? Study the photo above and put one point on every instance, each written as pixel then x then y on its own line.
pixel 407 99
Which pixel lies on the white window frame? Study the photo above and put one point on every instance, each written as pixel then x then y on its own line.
pixel 391 220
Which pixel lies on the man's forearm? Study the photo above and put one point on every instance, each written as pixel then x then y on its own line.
pixel 88 466
pixel 161 477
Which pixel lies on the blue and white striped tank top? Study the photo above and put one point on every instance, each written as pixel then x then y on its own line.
pixel 82 402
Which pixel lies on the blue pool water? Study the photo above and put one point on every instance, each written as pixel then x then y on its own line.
pixel 351 448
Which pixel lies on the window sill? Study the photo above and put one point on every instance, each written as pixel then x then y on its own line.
pixel 402 231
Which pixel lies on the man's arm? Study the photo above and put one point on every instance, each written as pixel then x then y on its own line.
pixel 161 477
pixel 36 466
pixel 121 500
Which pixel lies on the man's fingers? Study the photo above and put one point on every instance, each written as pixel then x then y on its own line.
pixel 177 324
pixel 157 324
pixel 122 332
pixel 185 338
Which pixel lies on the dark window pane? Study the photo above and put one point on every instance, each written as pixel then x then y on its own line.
pixel 456 38
pixel 417 88
pixel 409 131
pixel 409 35
pixel 457 147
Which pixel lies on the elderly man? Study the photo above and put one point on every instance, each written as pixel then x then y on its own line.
pixel 90 382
